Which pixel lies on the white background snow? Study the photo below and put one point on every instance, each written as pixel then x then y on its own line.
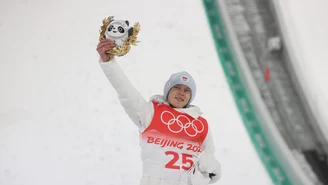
pixel 60 119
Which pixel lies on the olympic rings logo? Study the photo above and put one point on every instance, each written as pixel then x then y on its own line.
pixel 182 122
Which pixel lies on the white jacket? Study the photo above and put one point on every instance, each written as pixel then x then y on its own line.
pixel 141 113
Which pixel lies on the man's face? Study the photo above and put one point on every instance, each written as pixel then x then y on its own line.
pixel 179 96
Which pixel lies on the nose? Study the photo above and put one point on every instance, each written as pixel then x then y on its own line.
pixel 181 92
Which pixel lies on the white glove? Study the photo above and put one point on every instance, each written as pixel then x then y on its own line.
pixel 199 178
pixel 208 164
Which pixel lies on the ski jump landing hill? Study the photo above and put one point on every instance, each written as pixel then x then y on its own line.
pixel 261 66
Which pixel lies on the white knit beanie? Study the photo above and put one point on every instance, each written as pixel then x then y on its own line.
pixel 183 78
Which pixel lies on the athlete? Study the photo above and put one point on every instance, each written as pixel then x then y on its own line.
pixel 176 143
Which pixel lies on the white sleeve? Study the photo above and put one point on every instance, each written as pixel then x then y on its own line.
pixel 208 162
pixel 208 144
pixel 139 110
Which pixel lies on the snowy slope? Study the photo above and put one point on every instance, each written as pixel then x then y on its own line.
pixel 60 120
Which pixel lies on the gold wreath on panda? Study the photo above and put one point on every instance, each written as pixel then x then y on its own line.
pixel 121 33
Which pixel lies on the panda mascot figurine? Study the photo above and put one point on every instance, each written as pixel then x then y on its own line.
pixel 118 31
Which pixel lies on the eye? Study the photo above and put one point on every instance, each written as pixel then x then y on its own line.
pixel 110 28
pixel 120 29
pixel 187 90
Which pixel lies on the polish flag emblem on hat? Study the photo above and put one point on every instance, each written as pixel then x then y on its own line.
pixel 184 78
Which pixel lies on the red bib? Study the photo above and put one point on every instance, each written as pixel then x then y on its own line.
pixel 171 143
pixel 172 123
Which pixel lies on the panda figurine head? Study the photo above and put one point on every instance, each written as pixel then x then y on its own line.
pixel 118 31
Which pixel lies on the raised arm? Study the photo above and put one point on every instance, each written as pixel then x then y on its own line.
pixel 131 100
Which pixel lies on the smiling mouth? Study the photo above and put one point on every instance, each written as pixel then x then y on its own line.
pixel 179 99
pixel 114 31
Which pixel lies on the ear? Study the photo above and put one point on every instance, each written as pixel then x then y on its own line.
pixel 130 31
pixel 127 22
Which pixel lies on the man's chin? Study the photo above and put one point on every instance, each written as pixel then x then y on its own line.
pixel 179 105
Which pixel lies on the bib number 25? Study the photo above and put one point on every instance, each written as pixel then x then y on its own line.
pixel 186 161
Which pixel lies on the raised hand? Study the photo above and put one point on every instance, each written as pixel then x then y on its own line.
pixel 104 46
